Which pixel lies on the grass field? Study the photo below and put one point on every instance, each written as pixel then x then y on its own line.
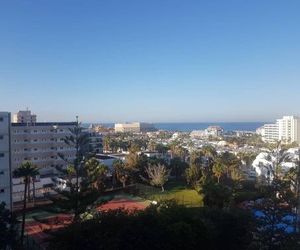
pixel 173 190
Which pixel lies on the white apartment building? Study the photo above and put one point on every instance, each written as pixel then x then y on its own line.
pixel 40 144
pixel 5 166
pixel 24 117
pixel 134 127
pixel 286 130
pixel 270 133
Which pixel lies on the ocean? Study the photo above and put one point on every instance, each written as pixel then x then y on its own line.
pixel 190 126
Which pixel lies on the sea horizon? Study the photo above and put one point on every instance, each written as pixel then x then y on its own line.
pixel 190 126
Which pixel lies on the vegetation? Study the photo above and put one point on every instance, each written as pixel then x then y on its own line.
pixel 96 174
pixel 80 194
pixel 121 173
pixel 157 175
pixel 8 229
pixel 165 226
pixel 174 190
pixel 25 171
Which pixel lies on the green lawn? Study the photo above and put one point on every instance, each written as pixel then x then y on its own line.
pixel 173 190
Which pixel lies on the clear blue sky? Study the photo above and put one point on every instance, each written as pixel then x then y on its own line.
pixel 151 60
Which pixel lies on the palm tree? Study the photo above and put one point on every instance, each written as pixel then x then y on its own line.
pixel 25 171
pixel 120 172
pixel 96 173
pixel 210 155
pixel 276 158
pixel 218 170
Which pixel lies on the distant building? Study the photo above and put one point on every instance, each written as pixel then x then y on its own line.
pixel 286 130
pixel 98 128
pixel 95 144
pixel 5 166
pixel 134 127
pixel 24 117
pixel 213 131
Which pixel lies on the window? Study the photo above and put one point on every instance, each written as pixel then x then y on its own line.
pixel 1 137
pixel 2 172
pixel 1 119
pixel 1 155
pixel 2 190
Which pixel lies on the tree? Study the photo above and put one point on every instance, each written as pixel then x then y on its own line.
pixel 215 195
pixel 162 149
pixel 218 170
pixel 164 226
pixel 96 173
pixel 247 158
pixel 177 167
pixel 25 171
pixel 79 196
pixel 151 145
pixel 157 175
pixel 195 171
pixel 120 171
pixel 275 210
pixel 135 164
pixel 8 229
pixel 209 153
pixel 106 143
pixel 231 164
pixel 273 215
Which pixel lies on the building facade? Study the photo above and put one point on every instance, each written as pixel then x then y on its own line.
pixel 134 127
pixel 286 130
pixel 213 131
pixel 5 165
pixel 40 143
pixel 24 117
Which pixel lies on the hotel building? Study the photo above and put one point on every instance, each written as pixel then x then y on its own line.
pixel 40 143
pixel 286 130
pixel 134 127
pixel 24 117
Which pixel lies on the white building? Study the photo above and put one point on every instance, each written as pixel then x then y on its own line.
pixel 134 127
pixel 24 117
pixel 213 131
pixel 286 130
pixel 5 166
pixel 40 144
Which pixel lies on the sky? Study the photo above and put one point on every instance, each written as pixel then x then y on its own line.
pixel 150 60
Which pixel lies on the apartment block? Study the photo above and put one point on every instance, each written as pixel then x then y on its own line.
pixel 134 127
pixel 24 117
pixel 40 143
pixel 286 130
pixel 5 166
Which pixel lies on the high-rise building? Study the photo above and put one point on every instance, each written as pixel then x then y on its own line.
pixel 24 117
pixel 289 129
pixel 134 127
pixel 286 130
pixel 5 166
pixel 40 144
